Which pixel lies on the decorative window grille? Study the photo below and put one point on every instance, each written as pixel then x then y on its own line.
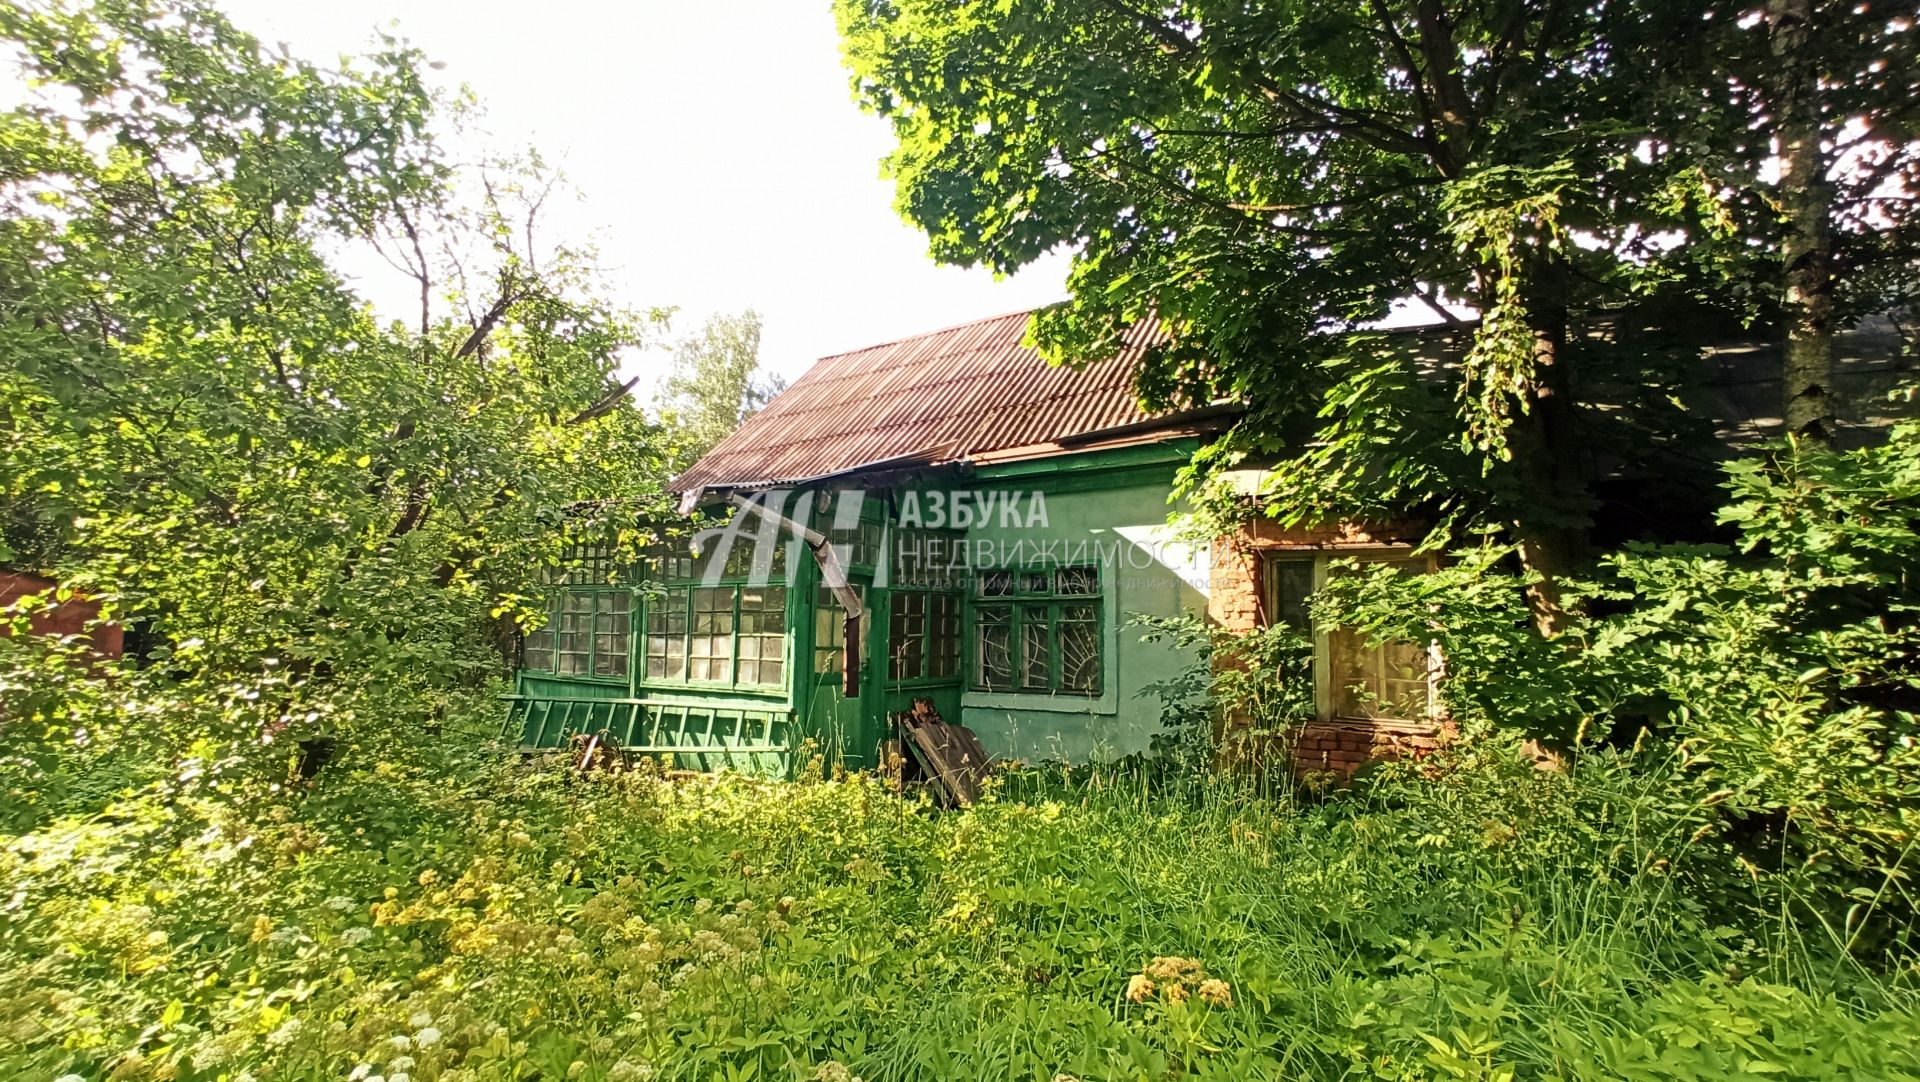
pixel 1038 631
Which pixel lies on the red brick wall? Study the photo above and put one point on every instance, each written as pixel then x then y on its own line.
pixel 1343 746
pixel 69 617
pixel 1234 604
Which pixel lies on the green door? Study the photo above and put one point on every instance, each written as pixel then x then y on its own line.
pixel 920 658
pixel 837 720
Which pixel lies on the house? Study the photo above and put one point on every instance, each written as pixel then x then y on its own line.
pixel 998 520
pixel 949 518
pixel 73 616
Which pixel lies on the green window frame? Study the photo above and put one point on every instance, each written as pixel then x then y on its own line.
pixel 589 625
pixel 923 636
pixel 726 635
pixel 1038 631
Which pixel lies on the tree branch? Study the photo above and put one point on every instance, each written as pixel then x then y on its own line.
pixel 605 405
pixel 490 320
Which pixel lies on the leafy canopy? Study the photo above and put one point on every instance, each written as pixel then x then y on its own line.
pixel 210 431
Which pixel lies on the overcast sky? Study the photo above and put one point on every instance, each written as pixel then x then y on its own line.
pixel 722 162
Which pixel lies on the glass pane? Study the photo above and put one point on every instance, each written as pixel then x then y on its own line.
pixel 829 632
pixel 993 647
pixel 943 635
pixel 1387 681
pixel 996 583
pixel 538 651
pixel 1080 649
pixel 907 636
pixel 1286 585
pixel 1033 582
pixel 665 642
pixel 711 655
pixel 1077 580
pixel 610 655
pixel 1036 654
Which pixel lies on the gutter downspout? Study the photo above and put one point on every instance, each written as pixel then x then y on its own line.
pixel 835 574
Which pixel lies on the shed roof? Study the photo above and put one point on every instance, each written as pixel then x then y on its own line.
pixel 931 399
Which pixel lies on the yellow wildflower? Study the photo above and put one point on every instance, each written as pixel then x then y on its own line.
pixel 1216 992
pixel 1139 989
pixel 1172 968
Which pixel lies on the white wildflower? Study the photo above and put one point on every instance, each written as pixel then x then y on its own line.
pixel 420 1019
pixel 427 1037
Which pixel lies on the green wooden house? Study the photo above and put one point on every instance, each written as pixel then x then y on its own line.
pixel 997 521
pixel 993 525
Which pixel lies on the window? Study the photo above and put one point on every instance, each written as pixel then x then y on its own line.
pixel 588 612
pixel 1388 681
pixel 717 635
pixel 1038 631
pixel 666 640
pixel 763 634
pixel 1285 585
pixel 586 635
pixel 829 632
pixel 923 633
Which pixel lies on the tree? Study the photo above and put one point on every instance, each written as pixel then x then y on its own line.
pixel 715 384
pixel 1828 92
pixel 1266 178
pixel 225 440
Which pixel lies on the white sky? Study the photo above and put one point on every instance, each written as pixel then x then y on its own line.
pixel 722 161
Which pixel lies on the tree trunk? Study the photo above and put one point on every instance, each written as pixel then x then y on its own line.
pixel 1806 201
pixel 1551 519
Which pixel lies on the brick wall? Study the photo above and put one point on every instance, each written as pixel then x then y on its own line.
pixel 69 617
pixel 1343 746
pixel 1234 604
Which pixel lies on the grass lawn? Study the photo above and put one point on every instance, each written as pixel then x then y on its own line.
pixel 424 916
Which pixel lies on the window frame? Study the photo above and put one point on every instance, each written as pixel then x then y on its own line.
pixel 931 617
pixel 1027 607
pixel 1325 699
pixel 591 573
pixel 683 592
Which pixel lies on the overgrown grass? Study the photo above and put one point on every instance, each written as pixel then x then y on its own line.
pixel 427 913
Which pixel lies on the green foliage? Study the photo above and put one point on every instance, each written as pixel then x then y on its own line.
pixel 1238 694
pixel 1265 179
pixel 715 385
pixel 1774 682
pixel 429 910
pixel 207 430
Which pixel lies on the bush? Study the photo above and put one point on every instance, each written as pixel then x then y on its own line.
pixel 1768 685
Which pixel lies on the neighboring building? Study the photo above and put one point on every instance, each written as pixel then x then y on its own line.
pixel 1000 522
pixel 73 616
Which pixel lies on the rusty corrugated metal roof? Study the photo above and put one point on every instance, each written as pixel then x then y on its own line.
pixel 933 398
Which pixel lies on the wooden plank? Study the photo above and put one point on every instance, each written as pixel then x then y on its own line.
pixel 946 752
